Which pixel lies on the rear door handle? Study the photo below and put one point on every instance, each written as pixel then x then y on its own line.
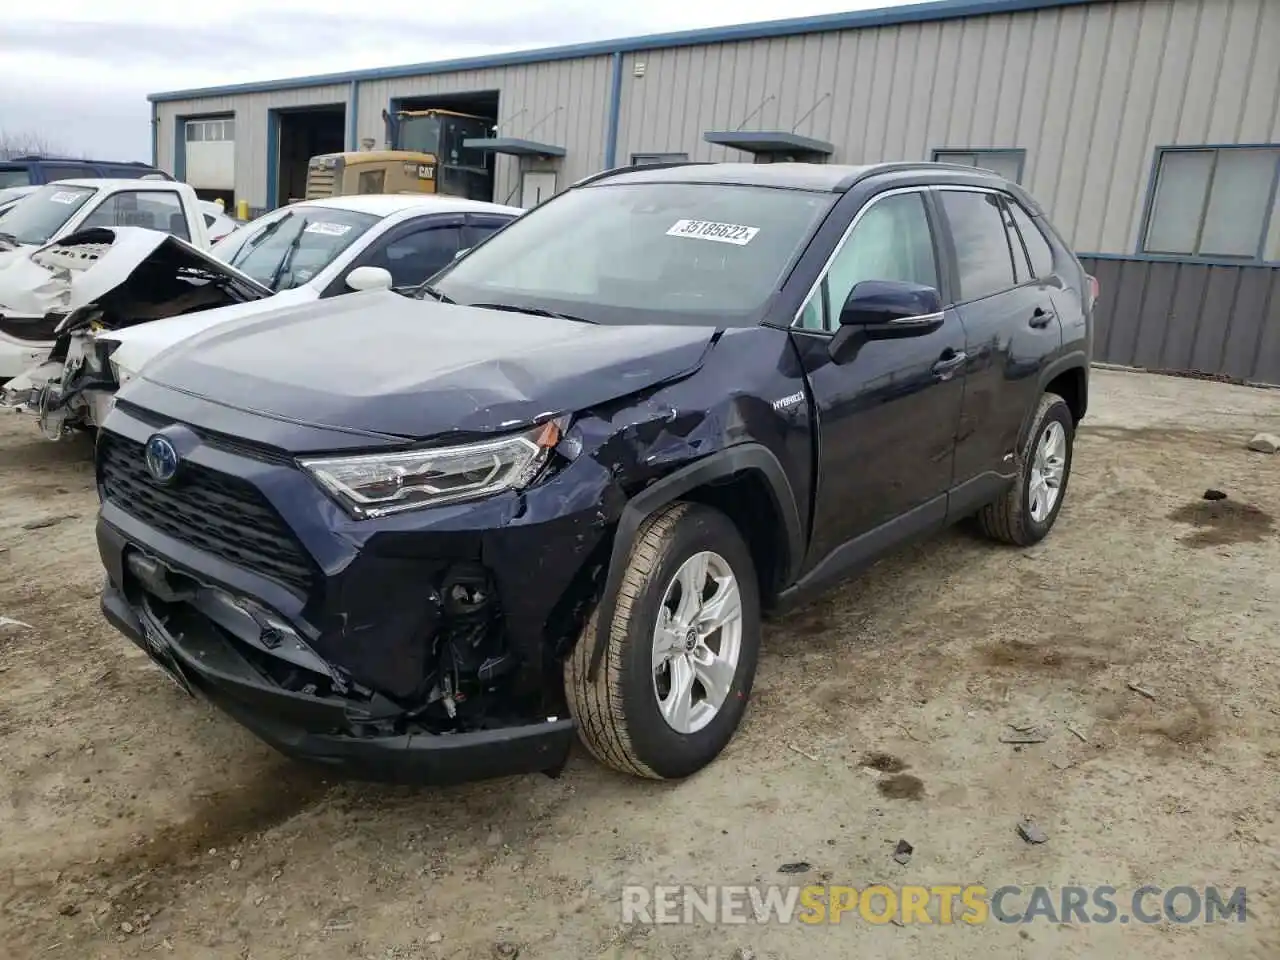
pixel 1041 317
pixel 947 365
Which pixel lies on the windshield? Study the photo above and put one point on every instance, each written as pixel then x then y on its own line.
pixel 286 250
pixel 14 177
pixel 41 214
pixel 644 253
pixel 421 134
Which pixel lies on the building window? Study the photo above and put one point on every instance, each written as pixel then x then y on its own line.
pixel 1215 202
pixel 1008 163
pixel 200 131
pixel 641 159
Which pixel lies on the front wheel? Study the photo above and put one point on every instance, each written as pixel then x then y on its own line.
pixel 1027 511
pixel 677 669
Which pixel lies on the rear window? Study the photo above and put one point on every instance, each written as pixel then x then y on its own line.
pixel 982 244
pixel 14 177
pixel 38 216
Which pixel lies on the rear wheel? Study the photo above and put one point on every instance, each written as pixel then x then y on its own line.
pixel 1027 511
pixel 681 654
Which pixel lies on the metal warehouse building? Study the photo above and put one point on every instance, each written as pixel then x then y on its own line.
pixel 1148 129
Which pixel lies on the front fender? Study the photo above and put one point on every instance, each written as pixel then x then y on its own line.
pixel 738 459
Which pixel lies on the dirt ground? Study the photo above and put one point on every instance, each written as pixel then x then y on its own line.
pixel 135 821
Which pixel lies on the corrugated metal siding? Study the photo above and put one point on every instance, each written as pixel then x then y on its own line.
pixel 564 103
pixel 250 111
pixel 1089 92
pixel 1184 316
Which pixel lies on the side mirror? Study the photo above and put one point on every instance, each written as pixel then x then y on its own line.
pixel 369 278
pixel 885 310
pixel 458 255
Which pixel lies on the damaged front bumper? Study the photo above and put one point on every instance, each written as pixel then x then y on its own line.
pixel 74 387
pixel 421 647
pixel 209 643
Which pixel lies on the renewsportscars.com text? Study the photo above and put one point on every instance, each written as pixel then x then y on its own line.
pixel 941 904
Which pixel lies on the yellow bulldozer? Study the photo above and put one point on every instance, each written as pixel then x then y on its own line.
pixel 428 155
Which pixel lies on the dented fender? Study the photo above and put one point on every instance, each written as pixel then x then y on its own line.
pixel 724 463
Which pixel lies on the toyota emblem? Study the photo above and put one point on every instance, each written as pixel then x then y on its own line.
pixel 162 459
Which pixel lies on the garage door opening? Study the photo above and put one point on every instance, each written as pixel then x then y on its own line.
pixel 303 134
pixel 209 145
pixel 440 125
pixel 228 197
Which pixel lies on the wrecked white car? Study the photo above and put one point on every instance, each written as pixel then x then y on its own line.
pixel 304 252
pixel 92 282
pixel 51 212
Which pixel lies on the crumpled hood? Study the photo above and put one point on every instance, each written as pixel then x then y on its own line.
pixel 82 267
pixel 140 343
pixel 381 363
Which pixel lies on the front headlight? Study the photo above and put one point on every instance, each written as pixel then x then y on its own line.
pixel 378 484
pixel 97 356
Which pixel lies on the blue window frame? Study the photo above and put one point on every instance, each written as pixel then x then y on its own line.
pixel 1213 202
pixel 1008 162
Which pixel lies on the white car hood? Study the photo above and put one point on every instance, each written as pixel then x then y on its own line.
pixel 139 344
pixel 11 255
pixel 70 273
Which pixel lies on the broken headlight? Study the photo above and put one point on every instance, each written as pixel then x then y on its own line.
pixel 378 484
pixel 97 356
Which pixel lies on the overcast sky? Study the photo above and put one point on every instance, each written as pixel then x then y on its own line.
pixel 77 74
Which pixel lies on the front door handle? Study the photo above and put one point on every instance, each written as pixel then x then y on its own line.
pixel 949 363
pixel 1041 318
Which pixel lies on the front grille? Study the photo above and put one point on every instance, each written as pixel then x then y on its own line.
pixel 214 512
pixel 319 184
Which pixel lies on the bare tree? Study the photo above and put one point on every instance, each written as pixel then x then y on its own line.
pixel 21 143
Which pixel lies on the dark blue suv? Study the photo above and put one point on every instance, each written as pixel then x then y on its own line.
pixel 428 537
pixel 36 171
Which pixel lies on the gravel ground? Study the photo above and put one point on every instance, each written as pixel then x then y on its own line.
pixel 133 819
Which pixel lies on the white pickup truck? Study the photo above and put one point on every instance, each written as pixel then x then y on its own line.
pixel 60 209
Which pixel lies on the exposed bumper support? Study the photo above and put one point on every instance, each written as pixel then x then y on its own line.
pixel 319 729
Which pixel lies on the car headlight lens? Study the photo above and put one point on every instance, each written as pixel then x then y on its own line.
pixel 375 485
pixel 97 356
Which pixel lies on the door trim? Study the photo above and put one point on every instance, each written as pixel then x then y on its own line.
pixel 864 549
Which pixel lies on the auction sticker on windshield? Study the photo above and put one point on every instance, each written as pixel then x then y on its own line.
pixel 328 229
pixel 63 197
pixel 734 233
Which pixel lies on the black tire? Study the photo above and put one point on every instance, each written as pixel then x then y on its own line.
pixel 1009 519
pixel 618 715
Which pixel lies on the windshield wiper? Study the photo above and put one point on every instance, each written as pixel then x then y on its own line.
pixel 286 261
pixel 532 311
pixel 430 291
pixel 9 238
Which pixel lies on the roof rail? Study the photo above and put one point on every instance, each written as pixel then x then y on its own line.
pixel 900 166
pixel 44 158
pixel 665 165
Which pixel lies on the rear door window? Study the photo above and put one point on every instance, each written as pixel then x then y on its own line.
pixel 984 259
pixel 1021 262
pixel 1037 246
pixel 480 228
